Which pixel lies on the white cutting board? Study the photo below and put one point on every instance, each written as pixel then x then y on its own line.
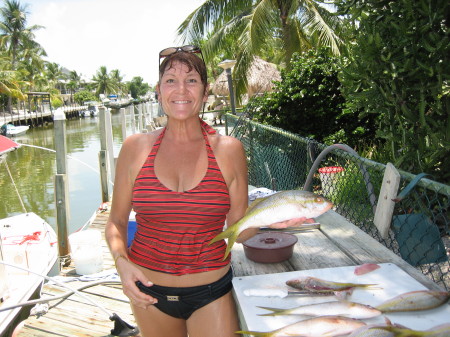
pixel 391 280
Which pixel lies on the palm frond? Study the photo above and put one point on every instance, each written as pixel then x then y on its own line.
pixel 317 24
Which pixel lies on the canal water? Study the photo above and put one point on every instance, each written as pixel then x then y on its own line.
pixel 33 171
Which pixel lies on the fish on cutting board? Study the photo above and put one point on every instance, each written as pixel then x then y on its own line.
pixel 318 326
pixel 366 268
pixel 442 330
pixel 415 301
pixel 317 285
pixel 274 209
pixel 339 308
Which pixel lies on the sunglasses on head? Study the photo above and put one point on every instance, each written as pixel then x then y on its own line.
pixel 187 49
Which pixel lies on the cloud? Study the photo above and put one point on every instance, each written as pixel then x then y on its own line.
pixel 83 35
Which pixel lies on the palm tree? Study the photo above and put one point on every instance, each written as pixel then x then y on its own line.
pixel 9 84
pixel 74 83
pixel 103 82
pixel 257 25
pixel 117 80
pixel 31 63
pixel 14 33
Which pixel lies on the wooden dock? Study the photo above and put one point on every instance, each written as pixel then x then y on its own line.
pixel 33 118
pixel 335 246
pixel 76 316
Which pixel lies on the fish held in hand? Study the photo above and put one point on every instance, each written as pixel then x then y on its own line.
pixel 414 301
pixel 318 326
pixel 317 285
pixel 339 308
pixel 276 208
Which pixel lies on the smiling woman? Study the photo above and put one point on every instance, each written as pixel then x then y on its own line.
pixel 183 182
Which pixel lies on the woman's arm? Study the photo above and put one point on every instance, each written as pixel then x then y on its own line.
pixel 232 161
pixel 131 158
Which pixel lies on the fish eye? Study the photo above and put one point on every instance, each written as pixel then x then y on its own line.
pixel 318 199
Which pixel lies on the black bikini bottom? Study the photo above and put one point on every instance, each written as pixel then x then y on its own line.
pixel 182 302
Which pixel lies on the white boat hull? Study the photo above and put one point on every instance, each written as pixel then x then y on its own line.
pixel 12 130
pixel 28 242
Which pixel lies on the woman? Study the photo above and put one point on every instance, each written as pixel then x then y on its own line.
pixel 183 182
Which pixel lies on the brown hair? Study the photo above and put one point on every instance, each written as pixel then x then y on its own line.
pixel 190 60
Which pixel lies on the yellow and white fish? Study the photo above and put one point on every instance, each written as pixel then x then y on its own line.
pixel 278 207
pixel 414 301
pixel 318 326
pixel 339 308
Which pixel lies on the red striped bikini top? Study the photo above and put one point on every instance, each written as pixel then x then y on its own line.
pixel 174 228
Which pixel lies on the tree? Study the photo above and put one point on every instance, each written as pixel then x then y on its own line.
pixel 137 87
pixel 117 80
pixel 31 64
pixel 9 84
pixel 397 69
pixel 84 96
pixel 14 33
pixel 103 82
pixel 53 73
pixel 254 25
pixel 307 95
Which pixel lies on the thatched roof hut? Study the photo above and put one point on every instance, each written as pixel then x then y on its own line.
pixel 259 77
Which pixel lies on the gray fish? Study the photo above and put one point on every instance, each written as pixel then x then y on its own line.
pixel 317 285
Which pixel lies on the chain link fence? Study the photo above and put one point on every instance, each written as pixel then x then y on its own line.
pixel 420 227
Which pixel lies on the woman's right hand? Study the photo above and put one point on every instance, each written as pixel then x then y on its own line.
pixel 129 275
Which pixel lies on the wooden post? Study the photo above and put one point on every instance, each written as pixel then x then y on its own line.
pixel 61 183
pixel 226 125
pixel 386 204
pixel 123 122
pixel 139 112
pixel 133 121
pixel 109 143
pixel 102 156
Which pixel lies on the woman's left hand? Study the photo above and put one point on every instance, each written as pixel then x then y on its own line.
pixel 291 223
pixel 250 232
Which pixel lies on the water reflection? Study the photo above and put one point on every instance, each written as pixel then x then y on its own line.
pixel 33 171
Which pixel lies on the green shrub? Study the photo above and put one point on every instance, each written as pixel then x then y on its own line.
pixel 398 69
pixel 56 103
pixel 84 96
pixel 308 102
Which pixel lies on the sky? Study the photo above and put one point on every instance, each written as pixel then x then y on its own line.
pixel 127 35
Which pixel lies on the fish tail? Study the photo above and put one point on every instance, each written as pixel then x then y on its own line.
pixel 255 333
pixel 223 235
pixel 231 233
pixel 275 311
pixel 231 240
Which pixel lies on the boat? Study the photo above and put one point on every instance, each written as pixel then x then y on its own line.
pixel 6 145
pixel 11 130
pixel 92 109
pixel 30 243
pixel 27 249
